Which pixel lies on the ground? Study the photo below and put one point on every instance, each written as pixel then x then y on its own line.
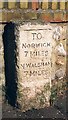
pixel 54 111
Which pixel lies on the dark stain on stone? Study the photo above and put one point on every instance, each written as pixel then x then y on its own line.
pixel 10 61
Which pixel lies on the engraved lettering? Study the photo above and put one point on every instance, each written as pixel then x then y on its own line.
pixel 35 45
pixel 26 53
pixel 36 36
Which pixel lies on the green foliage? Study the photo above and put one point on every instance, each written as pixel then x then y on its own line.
pixel 42 99
pixel 57 88
pixel 47 87
pixel 53 96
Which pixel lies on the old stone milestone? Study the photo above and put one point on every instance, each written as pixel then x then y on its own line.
pixel 36 63
pixel 34 47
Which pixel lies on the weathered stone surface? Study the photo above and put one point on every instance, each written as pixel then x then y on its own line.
pixel 60 50
pixel 1 56
pixel 60 73
pixel 2 76
pixel 57 33
pixel 59 62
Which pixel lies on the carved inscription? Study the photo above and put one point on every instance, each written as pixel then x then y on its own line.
pixel 35 53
